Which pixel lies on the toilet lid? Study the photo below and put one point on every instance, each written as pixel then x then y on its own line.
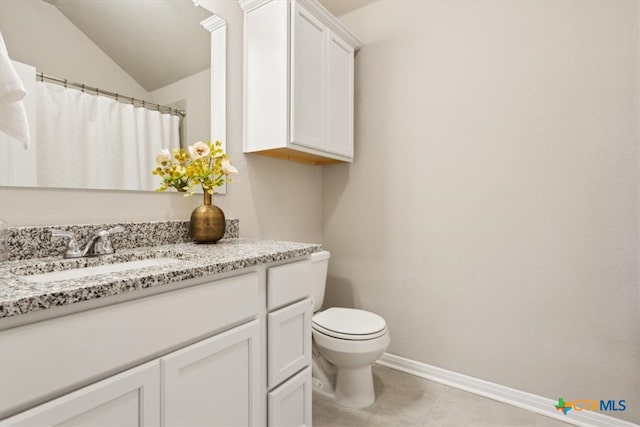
pixel 349 321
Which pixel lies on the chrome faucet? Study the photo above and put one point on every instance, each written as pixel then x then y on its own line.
pixel 98 244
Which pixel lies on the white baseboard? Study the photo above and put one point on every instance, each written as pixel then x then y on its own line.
pixel 538 404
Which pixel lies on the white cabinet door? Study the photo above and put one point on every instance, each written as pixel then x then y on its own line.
pixel 131 398
pixel 308 92
pixel 339 97
pixel 215 382
pixel 289 348
pixel 290 404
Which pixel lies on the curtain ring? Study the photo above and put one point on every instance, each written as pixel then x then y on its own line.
pixel 117 97
pixel 65 83
pixel 82 87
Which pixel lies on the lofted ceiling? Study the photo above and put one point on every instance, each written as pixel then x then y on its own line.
pixel 156 42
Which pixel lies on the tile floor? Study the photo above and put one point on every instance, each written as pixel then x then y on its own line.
pixel 407 400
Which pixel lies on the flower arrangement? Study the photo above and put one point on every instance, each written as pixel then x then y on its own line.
pixel 205 164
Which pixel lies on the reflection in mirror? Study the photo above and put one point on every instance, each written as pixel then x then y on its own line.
pixel 156 52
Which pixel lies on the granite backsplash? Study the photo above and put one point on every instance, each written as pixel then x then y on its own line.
pixel 37 242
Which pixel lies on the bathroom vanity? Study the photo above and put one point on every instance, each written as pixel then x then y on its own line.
pixel 204 335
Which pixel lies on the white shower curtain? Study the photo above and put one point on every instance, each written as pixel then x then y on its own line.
pixel 91 141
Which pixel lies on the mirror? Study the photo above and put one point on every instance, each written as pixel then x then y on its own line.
pixel 160 53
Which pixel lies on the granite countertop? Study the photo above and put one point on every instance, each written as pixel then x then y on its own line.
pixel 20 296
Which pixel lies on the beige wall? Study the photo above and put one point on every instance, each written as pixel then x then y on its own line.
pixel 273 199
pixel 491 214
pixel 192 94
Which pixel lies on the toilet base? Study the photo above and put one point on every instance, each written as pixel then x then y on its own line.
pixel 350 387
pixel 350 361
pixel 354 387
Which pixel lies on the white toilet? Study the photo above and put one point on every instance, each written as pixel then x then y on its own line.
pixel 346 343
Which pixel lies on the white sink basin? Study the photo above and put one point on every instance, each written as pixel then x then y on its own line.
pixel 77 273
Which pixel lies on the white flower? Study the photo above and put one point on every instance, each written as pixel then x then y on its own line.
pixel 228 169
pixel 199 149
pixel 163 156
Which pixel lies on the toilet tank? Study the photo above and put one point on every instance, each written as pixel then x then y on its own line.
pixel 319 266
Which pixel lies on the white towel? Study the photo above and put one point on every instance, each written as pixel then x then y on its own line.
pixel 13 116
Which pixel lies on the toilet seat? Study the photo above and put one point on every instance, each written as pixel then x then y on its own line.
pixel 347 337
pixel 349 324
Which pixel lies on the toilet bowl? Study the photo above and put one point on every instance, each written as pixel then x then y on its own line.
pixel 346 343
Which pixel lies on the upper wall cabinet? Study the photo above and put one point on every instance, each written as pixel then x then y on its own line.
pixel 298 82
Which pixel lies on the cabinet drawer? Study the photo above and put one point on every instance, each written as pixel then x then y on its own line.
pixel 288 283
pixel 290 404
pixel 74 350
pixel 289 347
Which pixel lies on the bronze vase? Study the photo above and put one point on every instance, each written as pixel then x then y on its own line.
pixel 207 222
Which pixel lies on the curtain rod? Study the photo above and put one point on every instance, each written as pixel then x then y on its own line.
pixel 116 96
